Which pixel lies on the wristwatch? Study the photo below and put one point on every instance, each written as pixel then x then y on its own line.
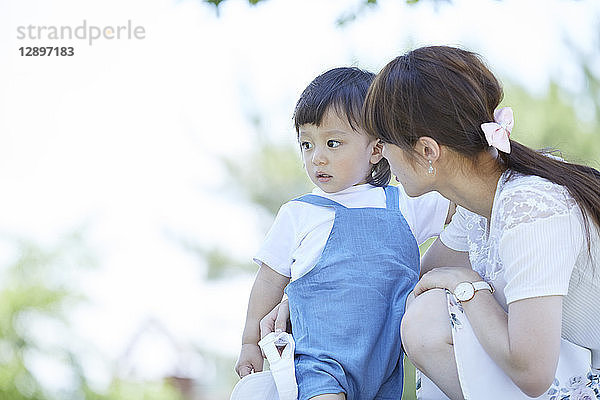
pixel 465 291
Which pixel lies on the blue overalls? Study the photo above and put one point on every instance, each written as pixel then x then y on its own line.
pixel 346 311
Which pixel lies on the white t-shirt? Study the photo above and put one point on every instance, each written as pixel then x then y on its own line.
pixel 297 238
pixel 535 246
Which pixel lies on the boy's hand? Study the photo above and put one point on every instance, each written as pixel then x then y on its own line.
pixel 250 360
pixel 277 320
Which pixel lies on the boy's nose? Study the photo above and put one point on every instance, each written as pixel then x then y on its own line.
pixel 319 158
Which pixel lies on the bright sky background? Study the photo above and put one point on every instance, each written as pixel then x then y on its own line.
pixel 123 139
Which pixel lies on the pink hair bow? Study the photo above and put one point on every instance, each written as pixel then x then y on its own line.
pixel 498 132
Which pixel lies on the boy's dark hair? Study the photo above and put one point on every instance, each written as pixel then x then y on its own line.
pixel 343 90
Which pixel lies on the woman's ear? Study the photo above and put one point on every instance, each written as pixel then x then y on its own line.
pixel 428 148
pixel 376 154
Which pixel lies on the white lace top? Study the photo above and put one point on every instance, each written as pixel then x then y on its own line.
pixel 534 246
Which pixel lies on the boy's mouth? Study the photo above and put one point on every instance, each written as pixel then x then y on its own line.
pixel 321 177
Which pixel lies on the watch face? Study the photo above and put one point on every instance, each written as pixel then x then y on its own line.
pixel 464 291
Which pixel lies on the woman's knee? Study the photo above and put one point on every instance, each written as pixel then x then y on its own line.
pixel 425 326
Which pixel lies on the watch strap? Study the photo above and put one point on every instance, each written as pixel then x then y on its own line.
pixel 482 285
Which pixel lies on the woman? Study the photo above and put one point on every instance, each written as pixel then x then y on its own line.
pixel 528 223
pixel 527 226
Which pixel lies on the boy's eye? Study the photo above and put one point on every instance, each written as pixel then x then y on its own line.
pixel 306 145
pixel 333 143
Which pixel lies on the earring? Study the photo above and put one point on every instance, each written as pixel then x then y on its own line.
pixel 431 170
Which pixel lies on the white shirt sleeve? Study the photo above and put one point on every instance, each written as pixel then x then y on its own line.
pixel 454 235
pixel 539 251
pixel 279 244
pixel 425 214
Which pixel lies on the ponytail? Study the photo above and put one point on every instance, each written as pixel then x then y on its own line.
pixel 582 182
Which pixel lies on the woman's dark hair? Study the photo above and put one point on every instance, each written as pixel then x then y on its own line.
pixel 446 93
pixel 342 90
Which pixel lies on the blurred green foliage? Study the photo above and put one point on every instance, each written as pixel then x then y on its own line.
pixel 552 121
pixel 37 291
pixel 270 176
pixel 31 289
pixel 347 17
pixel 216 3
pixel 219 264
pixel 125 390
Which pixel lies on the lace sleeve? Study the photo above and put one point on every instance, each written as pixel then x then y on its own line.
pixel 541 237
pixel 529 203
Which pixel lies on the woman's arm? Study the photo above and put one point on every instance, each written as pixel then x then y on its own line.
pixel 451 212
pixel 438 254
pixel 524 343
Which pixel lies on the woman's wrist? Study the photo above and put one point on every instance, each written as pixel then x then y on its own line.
pixel 464 275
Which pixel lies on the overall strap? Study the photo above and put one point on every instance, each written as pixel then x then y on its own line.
pixel 391 197
pixel 318 201
pixel 281 365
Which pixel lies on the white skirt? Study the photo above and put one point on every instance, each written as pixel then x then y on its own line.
pixel 481 379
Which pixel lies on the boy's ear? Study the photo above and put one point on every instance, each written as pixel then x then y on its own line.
pixel 377 154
